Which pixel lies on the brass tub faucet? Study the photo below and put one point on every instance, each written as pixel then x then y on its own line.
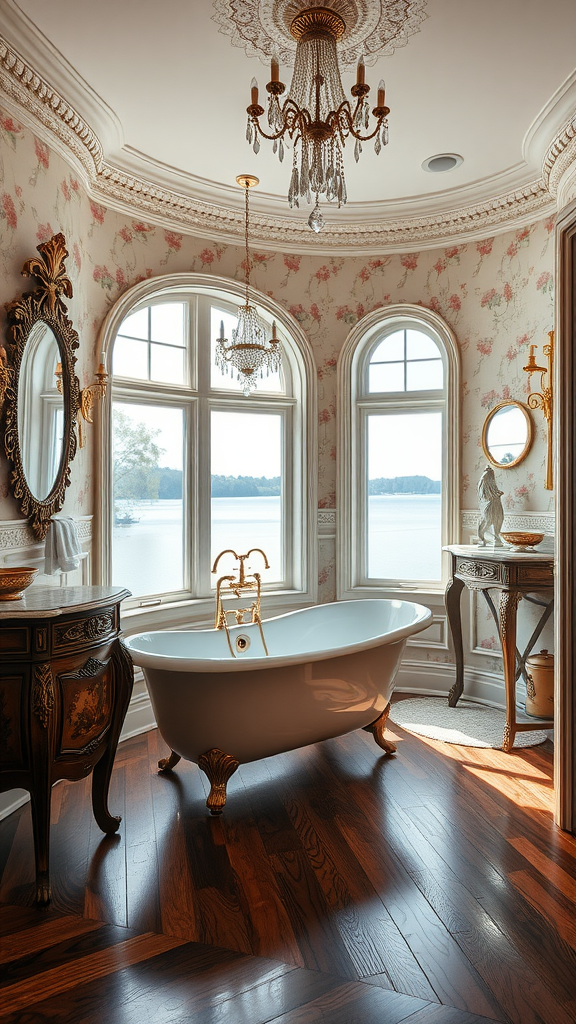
pixel 227 585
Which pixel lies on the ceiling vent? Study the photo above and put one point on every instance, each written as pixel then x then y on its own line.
pixel 442 162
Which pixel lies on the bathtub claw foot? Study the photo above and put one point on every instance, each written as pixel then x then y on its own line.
pixel 219 767
pixel 377 729
pixel 166 763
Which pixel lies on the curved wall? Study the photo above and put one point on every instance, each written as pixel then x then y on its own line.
pixel 496 295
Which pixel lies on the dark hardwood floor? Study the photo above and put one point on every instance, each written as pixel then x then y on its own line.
pixel 340 886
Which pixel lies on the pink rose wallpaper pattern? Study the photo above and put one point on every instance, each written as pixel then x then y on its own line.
pixel 496 294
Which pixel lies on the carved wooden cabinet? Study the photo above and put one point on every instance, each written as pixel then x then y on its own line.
pixel 65 685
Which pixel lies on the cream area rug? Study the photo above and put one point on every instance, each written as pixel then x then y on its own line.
pixel 468 724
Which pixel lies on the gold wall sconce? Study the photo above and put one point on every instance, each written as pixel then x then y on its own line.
pixel 543 399
pixel 87 396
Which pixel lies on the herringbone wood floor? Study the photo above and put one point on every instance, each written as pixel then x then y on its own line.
pixel 340 886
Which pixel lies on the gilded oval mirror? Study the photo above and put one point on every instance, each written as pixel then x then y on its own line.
pixel 43 393
pixel 507 434
pixel 41 410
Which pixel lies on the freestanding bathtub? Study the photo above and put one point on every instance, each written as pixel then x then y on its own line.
pixel 330 669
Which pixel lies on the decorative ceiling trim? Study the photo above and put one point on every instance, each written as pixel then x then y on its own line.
pixel 20 81
pixel 374 28
pixel 131 194
pixel 421 232
pixel 560 155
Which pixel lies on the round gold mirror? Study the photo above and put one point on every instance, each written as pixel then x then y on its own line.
pixel 507 434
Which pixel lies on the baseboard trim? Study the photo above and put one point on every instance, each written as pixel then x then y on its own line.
pixel 436 678
pixel 139 717
pixel 13 802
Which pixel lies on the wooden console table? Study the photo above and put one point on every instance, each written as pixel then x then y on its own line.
pixel 515 574
pixel 65 685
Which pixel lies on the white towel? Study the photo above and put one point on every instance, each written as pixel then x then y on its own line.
pixel 62 550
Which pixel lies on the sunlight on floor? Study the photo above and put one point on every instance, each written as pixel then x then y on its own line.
pixel 514 775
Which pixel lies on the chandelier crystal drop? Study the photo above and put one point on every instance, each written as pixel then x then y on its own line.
pixel 316 118
pixel 249 353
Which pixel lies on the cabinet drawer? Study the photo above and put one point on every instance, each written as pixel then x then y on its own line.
pixel 15 640
pixel 76 634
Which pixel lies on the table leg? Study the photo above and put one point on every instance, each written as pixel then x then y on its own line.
pixel 452 599
pixel 42 757
pixel 40 799
pixel 509 600
pixel 123 673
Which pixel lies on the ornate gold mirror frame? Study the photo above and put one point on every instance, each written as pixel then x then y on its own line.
pixel 43 306
pixel 529 436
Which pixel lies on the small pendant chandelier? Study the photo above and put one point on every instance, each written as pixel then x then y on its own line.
pixel 316 118
pixel 249 352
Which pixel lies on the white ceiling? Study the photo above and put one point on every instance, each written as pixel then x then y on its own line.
pixel 166 92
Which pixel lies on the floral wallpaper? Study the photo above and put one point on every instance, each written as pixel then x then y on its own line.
pixel 496 294
pixel 39 196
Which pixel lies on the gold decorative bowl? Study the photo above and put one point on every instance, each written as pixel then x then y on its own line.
pixel 521 540
pixel 13 582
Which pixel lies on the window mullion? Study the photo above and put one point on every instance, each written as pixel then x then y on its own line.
pixel 202 459
pixel 149 343
pixel 274 439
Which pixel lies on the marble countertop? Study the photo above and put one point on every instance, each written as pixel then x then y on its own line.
pixel 498 554
pixel 49 602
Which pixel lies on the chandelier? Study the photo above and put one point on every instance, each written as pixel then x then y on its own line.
pixel 249 353
pixel 316 118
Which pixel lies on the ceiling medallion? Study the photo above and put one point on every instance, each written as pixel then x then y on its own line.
pixel 316 119
pixel 373 28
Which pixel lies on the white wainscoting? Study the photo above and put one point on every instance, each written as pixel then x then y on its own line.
pixel 19 546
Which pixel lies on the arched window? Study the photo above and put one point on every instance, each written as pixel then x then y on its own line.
pixel 190 466
pixel 399 478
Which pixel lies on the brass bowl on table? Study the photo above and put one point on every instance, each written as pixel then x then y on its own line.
pixel 13 582
pixel 521 540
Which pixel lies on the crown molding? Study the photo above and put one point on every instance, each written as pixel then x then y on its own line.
pixel 32 93
pixel 44 108
pixel 560 158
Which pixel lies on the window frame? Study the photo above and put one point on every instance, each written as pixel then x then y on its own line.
pixel 356 404
pixel 298 410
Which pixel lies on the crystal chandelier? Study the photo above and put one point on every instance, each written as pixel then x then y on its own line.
pixel 316 117
pixel 249 353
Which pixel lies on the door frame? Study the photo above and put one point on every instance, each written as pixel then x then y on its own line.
pixel 564 426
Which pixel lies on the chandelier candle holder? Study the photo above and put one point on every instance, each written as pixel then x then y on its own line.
pixel 316 118
pixel 249 353
pixel 543 399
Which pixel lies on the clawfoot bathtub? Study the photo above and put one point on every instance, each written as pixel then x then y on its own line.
pixel 330 669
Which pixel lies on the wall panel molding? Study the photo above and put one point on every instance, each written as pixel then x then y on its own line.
pixel 542 522
pixel 19 546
